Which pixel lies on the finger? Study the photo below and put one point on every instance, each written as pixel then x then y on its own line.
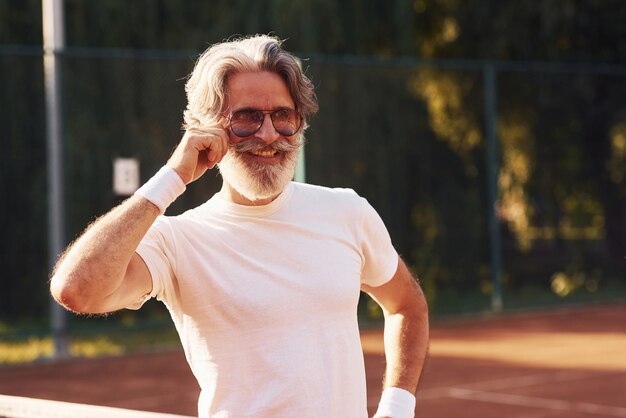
pixel 212 157
pixel 218 146
pixel 216 152
pixel 224 144
pixel 205 141
pixel 211 143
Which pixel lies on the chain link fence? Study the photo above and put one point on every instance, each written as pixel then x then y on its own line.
pixel 406 134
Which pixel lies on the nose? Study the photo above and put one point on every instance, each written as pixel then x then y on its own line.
pixel 267 133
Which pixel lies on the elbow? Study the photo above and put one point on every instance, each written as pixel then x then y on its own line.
pixel 417 313
pixel 414 311
pixel 422 304
pixel 67 295
pixel 420 309
pixel 415 304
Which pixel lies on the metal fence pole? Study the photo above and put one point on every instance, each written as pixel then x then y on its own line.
pixel 491 146
pixel 54 43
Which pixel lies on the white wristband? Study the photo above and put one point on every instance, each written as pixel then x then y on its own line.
pixel 396 403
pixel 163 188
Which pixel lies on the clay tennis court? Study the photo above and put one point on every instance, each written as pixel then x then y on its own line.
pixel 554 363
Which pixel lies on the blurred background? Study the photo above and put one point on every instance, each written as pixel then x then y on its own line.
pixel 490 136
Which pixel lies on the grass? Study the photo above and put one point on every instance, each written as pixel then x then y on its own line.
pixel 37 348
pixel 109 339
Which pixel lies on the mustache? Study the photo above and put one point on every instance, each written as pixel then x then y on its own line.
pixel 257 145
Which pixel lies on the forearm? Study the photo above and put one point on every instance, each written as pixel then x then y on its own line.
pixel 406 346
pixel 94 266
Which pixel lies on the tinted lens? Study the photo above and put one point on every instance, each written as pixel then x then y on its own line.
pixel 286 121
pixel 244 123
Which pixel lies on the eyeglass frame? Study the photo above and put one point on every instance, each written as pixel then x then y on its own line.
pixel 265 112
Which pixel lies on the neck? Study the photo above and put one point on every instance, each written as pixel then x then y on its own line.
pixel 229 193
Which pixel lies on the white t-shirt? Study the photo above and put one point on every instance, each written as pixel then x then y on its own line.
pixel 265 299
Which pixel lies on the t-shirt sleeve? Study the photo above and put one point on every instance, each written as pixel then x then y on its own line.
pixel 380 259
pixel 155 250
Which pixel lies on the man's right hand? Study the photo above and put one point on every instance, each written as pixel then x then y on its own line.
pixel 198 151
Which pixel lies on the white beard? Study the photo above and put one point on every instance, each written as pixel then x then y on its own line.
pixel 260 181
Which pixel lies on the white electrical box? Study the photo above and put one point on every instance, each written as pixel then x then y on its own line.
pixel 125 176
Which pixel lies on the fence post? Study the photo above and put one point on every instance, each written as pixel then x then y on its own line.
pixel 491 147
pixel 54 43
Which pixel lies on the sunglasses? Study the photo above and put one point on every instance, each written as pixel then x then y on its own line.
pixel 246 122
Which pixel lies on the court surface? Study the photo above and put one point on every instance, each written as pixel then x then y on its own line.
pixel 553 363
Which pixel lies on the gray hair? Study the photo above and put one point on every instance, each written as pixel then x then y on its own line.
pixel 206 86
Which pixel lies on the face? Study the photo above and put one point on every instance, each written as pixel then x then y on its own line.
pixel 259 166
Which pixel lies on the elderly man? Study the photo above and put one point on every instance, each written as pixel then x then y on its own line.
pixel 262 281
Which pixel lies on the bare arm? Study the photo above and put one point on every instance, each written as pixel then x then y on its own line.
pixel 406 328
pixel 101 272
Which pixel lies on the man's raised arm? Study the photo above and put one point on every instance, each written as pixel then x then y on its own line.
pixel 100 272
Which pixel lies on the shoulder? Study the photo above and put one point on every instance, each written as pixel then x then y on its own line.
pixel 327 194
pixel 342 205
